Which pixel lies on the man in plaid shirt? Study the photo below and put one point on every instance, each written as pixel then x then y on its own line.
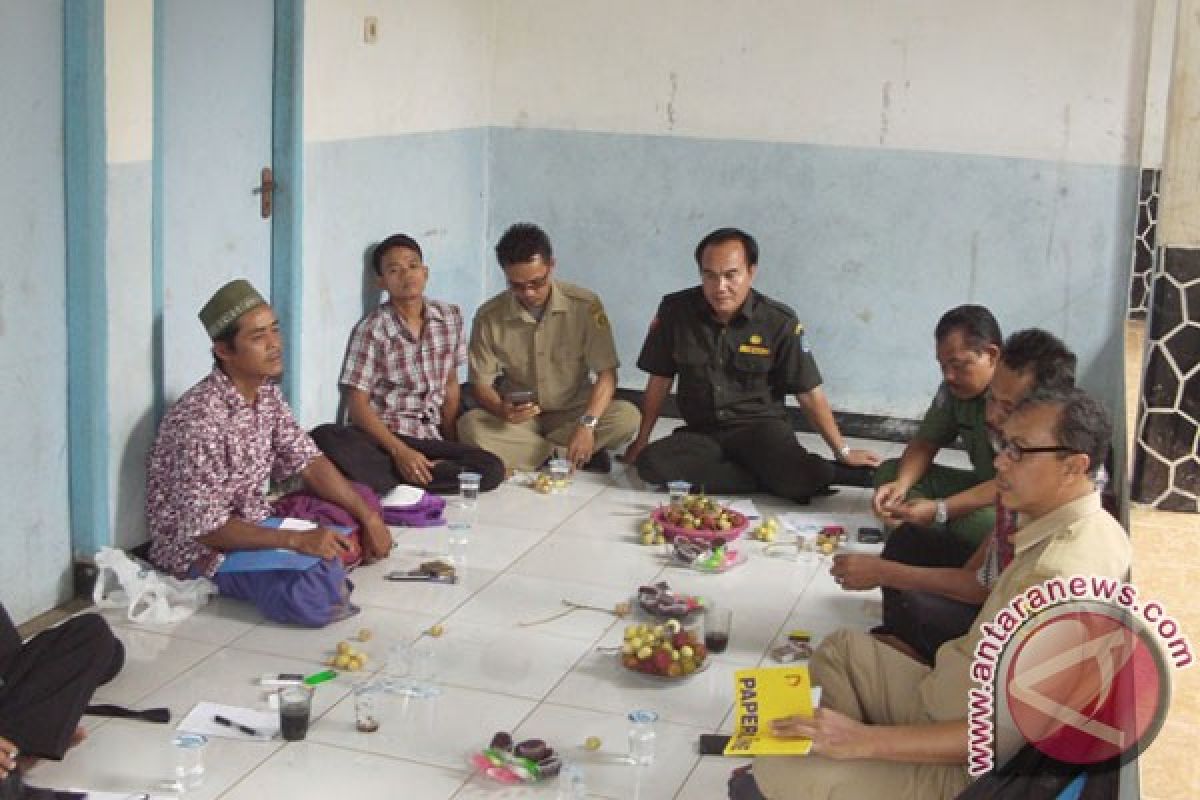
pixel 401 384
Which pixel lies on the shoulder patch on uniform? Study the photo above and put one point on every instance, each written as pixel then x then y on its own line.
pixel 799 329
pixel 598 315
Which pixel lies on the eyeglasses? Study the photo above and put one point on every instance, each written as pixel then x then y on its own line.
pixel 530 286
pixel 1015 452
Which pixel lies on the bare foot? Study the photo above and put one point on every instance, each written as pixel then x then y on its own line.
pixel 77 737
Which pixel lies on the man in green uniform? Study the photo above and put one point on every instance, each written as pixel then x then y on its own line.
pixel 534 351
pixel 915 490
pixel 738 354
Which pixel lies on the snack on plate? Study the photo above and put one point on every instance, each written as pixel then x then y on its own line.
pixel 704 554
pixel 668 650
pixel 521 762
pixel 661 601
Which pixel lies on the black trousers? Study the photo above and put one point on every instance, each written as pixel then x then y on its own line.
pixel 739 458
pixel 361 459
pixel 49 680
pixel 924 620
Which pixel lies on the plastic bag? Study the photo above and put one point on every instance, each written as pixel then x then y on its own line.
pixel 146 595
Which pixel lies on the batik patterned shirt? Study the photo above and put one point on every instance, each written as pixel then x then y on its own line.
pixel 404 376
pixel 213 459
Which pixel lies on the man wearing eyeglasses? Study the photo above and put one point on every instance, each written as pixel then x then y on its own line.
pixel 737 354
pixel 890 726
pixel 543 366
pixel 928 599
pixel 915 490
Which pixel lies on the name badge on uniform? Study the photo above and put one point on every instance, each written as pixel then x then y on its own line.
pixel 754 350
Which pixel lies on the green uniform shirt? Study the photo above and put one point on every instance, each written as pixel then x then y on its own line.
pixel 950 418
pixel 742 370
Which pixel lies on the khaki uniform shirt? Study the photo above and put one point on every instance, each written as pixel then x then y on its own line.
pixel 553 358
pixel 729 372
pixel 1080 538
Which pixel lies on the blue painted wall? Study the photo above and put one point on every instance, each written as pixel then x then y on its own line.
pixel 869 246
pixel 33 325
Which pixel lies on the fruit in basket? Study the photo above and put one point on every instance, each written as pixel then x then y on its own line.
pixel 700 513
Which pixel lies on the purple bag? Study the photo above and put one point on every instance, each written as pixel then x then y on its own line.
pixel 425 513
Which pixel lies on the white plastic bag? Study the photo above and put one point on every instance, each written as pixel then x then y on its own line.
pixel 146 595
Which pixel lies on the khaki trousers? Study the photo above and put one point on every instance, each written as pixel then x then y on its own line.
pixel 528 444
pixel 873 683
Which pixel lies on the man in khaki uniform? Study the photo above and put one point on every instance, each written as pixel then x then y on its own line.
pixel 889 726
pixel 534 351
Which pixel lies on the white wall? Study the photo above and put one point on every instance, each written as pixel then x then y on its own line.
pixel 33 325
pixel 1024 79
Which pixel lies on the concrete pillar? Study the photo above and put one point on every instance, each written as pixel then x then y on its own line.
pixel 1166 469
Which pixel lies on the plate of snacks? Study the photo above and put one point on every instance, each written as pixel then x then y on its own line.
pixel 667 652
pixel 700 517
pixel 505 761
pixel 712 556
pixel 660 600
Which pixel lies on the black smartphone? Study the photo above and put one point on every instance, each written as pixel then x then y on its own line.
pixel 713 744
pixel 870 535
pixel 519 398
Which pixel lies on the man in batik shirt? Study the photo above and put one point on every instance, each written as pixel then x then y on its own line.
pixel 208 473
pixel 401 385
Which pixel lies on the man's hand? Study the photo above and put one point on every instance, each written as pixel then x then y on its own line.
pixel 376 540
pixel 633 451
pixel 413 465
pixel 862 458
pixel 516 414
pixel 918 511
pixel 320 542
pixel 857 571
pixel 8 757
pixel 581 445
pixel 834 735
pixel 889 494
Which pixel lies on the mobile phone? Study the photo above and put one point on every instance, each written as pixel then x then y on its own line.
pixel 280 679
pixel 713 744
pixel 520 398
pixel 870 535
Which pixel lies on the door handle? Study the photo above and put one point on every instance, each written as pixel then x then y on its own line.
pixel 266 192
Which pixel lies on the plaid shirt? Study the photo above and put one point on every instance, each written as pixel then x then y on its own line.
pixel 211 461
pixel 404 376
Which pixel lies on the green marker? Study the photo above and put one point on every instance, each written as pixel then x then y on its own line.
pixel 320 677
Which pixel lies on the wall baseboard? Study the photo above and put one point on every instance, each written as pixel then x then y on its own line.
pixel 863 426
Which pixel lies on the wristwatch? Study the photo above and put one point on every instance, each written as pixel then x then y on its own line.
pixel 589 421
pixel 941 515
pixel 843 452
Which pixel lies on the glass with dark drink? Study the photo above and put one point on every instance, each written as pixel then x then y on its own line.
pixel 717 622
pixel 295 708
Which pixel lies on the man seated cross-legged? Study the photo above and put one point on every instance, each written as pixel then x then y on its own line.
pixel 207 475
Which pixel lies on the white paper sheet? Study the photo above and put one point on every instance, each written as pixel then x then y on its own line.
pixel 402 496
pixel 200 720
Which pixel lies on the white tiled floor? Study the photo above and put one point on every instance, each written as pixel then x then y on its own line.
pixel 528 553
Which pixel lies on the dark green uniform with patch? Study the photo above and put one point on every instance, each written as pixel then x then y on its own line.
pixel 732 381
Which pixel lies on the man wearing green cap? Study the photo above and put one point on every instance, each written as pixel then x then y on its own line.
pixel 208 472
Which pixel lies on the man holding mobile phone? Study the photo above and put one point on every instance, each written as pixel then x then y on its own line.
pixel 543 366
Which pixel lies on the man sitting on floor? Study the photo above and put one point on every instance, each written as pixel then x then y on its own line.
pixel 401 385
pixel 927 599
pixel 737 353
pixel 542 341
pixel 914 489
pixel 208 471
pixel 889 726
pixel 46 684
